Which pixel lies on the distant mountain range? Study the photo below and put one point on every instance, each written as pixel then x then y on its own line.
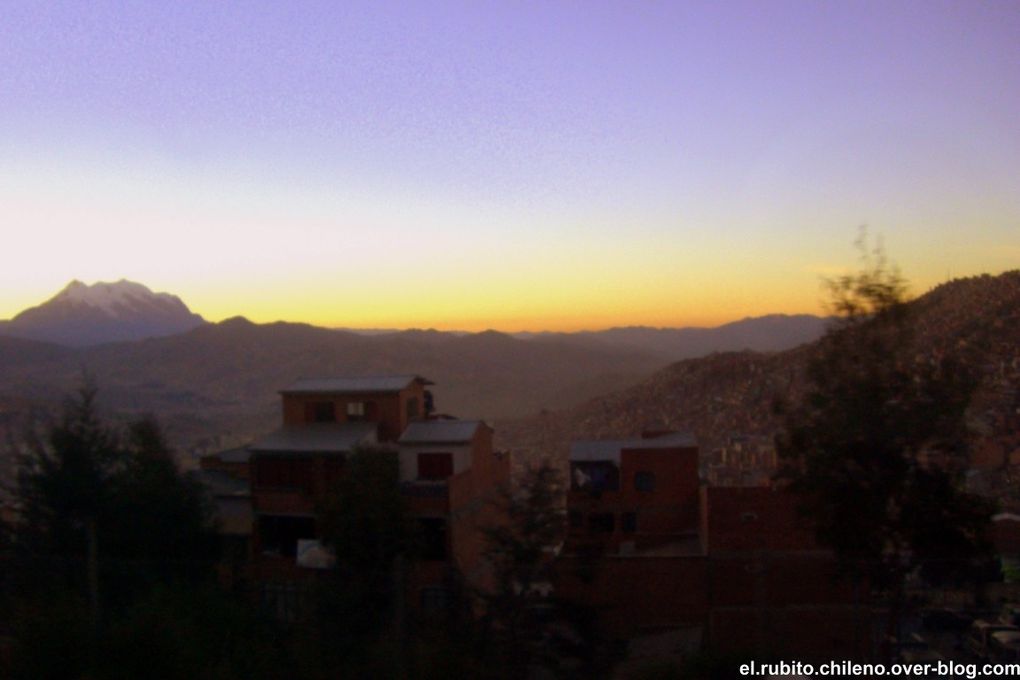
pixel 82 315
pixel 770 333
pixel 217 383
pixel 148 352
pixel 732 394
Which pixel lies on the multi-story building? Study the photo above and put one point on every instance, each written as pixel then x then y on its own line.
pixel 634 495
pixel 653 550
pixel 448 472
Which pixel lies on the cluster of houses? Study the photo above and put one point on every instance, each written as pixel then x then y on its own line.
pixel 649 547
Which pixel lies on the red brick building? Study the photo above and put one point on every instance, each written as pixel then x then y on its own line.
pixel 653 550
pixel 634 495
pixel 448 471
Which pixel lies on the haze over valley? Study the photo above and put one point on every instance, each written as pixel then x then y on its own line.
pixel 216 382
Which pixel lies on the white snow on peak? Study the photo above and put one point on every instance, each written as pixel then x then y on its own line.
pixel 106 296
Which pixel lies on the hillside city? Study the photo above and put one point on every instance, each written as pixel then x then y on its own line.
pixel 648 522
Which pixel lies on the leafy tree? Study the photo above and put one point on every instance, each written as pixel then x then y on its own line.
pixel 521 549
pixel 876 448
pixel 366 522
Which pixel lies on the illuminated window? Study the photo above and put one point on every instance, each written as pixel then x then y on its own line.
pixel 355 410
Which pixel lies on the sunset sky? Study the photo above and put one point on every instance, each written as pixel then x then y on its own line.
pixel 509 165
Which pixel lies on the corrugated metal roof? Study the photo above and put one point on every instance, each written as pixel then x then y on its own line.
pixel 353 385
pixel 610 449
pixel 316 438
pixel 440 431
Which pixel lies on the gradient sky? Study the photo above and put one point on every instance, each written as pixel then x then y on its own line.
pixel 515 165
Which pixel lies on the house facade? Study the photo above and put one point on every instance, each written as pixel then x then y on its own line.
pixel 449 474
pixel 653 550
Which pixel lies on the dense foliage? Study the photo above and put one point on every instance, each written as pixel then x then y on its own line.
pixel 877 448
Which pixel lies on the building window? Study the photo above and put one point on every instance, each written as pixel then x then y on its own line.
pixel 628 522
pixel 320 412
pixel 433 538
pixel 283 473
pixel 594 476
pixel 644 481
pixel 435 466
pixel 602 522
pixel 412 408
pixel 355 410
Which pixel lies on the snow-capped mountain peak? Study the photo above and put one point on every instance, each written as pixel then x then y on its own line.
pixel 82 314
pixel 113 297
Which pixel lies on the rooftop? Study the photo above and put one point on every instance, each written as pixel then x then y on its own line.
pixel 354 385
pixel 610 449
pixel 317 438
pixel 440 431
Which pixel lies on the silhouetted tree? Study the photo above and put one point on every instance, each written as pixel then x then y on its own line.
pixel 521 548
pixel 103 519
pixel 876 447
pixel 162 526
pixel 63 493
pixel 366 522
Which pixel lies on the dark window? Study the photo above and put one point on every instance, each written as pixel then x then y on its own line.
pixel 435 465
pixel 433 538
pixel 412 408
pixel 594 476
pixel 644 481
pixel 628 522
pixel 602 522
pixel 320 412
pixel 278 535
pixel 283 473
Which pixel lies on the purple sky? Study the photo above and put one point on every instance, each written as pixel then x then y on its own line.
pixel 717 133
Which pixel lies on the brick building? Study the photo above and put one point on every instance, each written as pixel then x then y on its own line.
pixel 634 495
pixel 653 550
pixel 448 471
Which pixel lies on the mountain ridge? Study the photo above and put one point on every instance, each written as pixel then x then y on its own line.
pixel 733 393
pixel 82 315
